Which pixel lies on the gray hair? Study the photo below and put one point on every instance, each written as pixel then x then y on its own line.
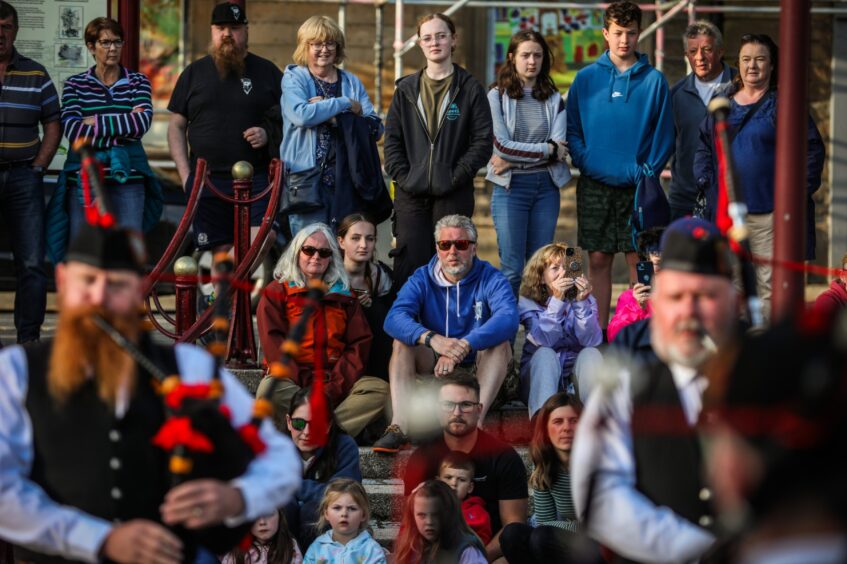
pixel 456 220
pixel 702 27
pixel 288 269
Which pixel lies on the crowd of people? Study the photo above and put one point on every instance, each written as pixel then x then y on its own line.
pixel 651 439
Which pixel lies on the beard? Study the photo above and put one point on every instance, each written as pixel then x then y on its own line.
pixel 81 350
pixel 228 58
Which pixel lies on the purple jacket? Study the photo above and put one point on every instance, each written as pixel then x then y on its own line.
pixel 567 327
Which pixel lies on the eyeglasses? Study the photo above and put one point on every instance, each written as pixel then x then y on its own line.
pixel 464 406
pixel 8 28
pixel 437 38
pixel 328 45
pixel 310 251
pixel 107 44
pixel 460 244
pixel 298 423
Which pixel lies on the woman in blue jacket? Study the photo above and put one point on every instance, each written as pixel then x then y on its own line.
pixel 314 91
pixel 338 459
pixel 529 164
pixel 752 121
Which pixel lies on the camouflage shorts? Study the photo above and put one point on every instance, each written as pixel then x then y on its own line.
pixel 603 214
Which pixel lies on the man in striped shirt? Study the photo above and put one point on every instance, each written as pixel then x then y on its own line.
pixel 27 98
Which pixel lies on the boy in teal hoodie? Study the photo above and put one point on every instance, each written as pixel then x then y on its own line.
pixel 620 127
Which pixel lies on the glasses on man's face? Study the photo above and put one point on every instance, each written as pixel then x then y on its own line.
pixel 460 244
pixel 298 423
pixel 320 45
pixel 436 38
pixel 310 251
pixel 464 406
pixel 108 44
pixel 7 28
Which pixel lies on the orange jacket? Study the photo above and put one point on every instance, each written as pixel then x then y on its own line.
pixel 348 337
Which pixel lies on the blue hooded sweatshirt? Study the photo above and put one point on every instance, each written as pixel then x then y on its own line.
pixel 481 308
pixel 620 124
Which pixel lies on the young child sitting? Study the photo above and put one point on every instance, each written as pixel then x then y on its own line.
pixel 457 471
pixel 272 544
pixel 432 530
pixel 345 508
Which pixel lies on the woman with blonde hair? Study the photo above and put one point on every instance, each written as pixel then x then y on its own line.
pixel 337 336
pixel 561 321
pixel 314 92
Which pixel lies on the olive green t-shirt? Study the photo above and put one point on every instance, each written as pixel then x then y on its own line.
pixel 432 95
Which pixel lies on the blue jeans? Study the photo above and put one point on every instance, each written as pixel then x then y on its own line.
pixel 126 200
pixel 546 378
pixel 525 216
pixel 22 205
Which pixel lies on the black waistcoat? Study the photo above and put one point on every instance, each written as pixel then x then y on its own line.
pixel 668 456
pixel 87 458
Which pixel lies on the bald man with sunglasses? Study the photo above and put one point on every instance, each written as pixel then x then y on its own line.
pixel 457 313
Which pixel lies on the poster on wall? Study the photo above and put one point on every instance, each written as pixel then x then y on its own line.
pixel 161 28
pixel 51 32
pixel 575 37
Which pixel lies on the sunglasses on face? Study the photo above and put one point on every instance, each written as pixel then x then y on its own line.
pixel 310 251
pixel 460 244
pixel 298 423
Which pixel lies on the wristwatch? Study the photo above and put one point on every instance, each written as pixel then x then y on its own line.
pixel 428 338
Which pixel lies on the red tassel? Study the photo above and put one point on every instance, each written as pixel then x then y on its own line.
pixel 722 219
pixel 183 391
pixel 226 411
pixel 246 542
pixel 178 431
pixel 250 435
pixel 317 402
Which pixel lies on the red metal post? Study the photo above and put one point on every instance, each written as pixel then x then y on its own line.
pixel 185 274
pixel 242 344
pixel 129 16
pixel 789 216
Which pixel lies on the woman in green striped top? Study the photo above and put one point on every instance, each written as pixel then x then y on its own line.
pixel 554 534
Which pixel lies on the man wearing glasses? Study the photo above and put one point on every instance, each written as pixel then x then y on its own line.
pixel 499 475
pixel 218 107
pixel 457 313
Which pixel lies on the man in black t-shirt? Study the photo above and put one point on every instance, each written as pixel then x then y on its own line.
pixel 220 103
pixel 500 477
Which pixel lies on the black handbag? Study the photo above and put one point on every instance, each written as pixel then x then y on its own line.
pixel 302 191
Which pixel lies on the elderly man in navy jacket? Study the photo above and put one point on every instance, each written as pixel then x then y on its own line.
pixel 456 312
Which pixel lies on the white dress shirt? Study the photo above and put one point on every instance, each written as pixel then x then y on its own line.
pixel 621 517
pixel 28 517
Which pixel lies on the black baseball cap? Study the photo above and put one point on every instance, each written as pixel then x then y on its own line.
pixel 229 13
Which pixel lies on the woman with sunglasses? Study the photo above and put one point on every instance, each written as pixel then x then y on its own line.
pixel 529 164
pixel 339 458
pixel 314 92
pixel 109 106
pixel 337 336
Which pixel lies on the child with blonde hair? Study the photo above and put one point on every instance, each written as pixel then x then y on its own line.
pixel 346 510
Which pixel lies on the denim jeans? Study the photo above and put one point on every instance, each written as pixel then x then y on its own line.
pixel 546 378
pixel 22 206
pixel 525 216
pixel 127 203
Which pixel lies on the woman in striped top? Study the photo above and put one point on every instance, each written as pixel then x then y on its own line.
pixel 554 536
pixel 111 107
pixel 529 164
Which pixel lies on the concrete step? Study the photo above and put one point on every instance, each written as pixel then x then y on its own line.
pixel 385 496
pixel 385 532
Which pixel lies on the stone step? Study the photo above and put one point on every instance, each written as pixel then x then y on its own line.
pixel 385 497
pixel 385 532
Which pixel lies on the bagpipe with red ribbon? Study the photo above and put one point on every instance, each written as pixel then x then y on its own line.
pixel 731 213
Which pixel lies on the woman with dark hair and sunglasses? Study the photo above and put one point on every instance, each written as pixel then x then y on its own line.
pixel 337 336
pixel 529 164
pixel 752 121
pixel 339 458
pixel 551 535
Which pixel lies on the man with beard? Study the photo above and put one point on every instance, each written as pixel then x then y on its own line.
pixel 636 468
pixel 221 102
pixel 499 474
pixel 82 480
pixel 456 313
